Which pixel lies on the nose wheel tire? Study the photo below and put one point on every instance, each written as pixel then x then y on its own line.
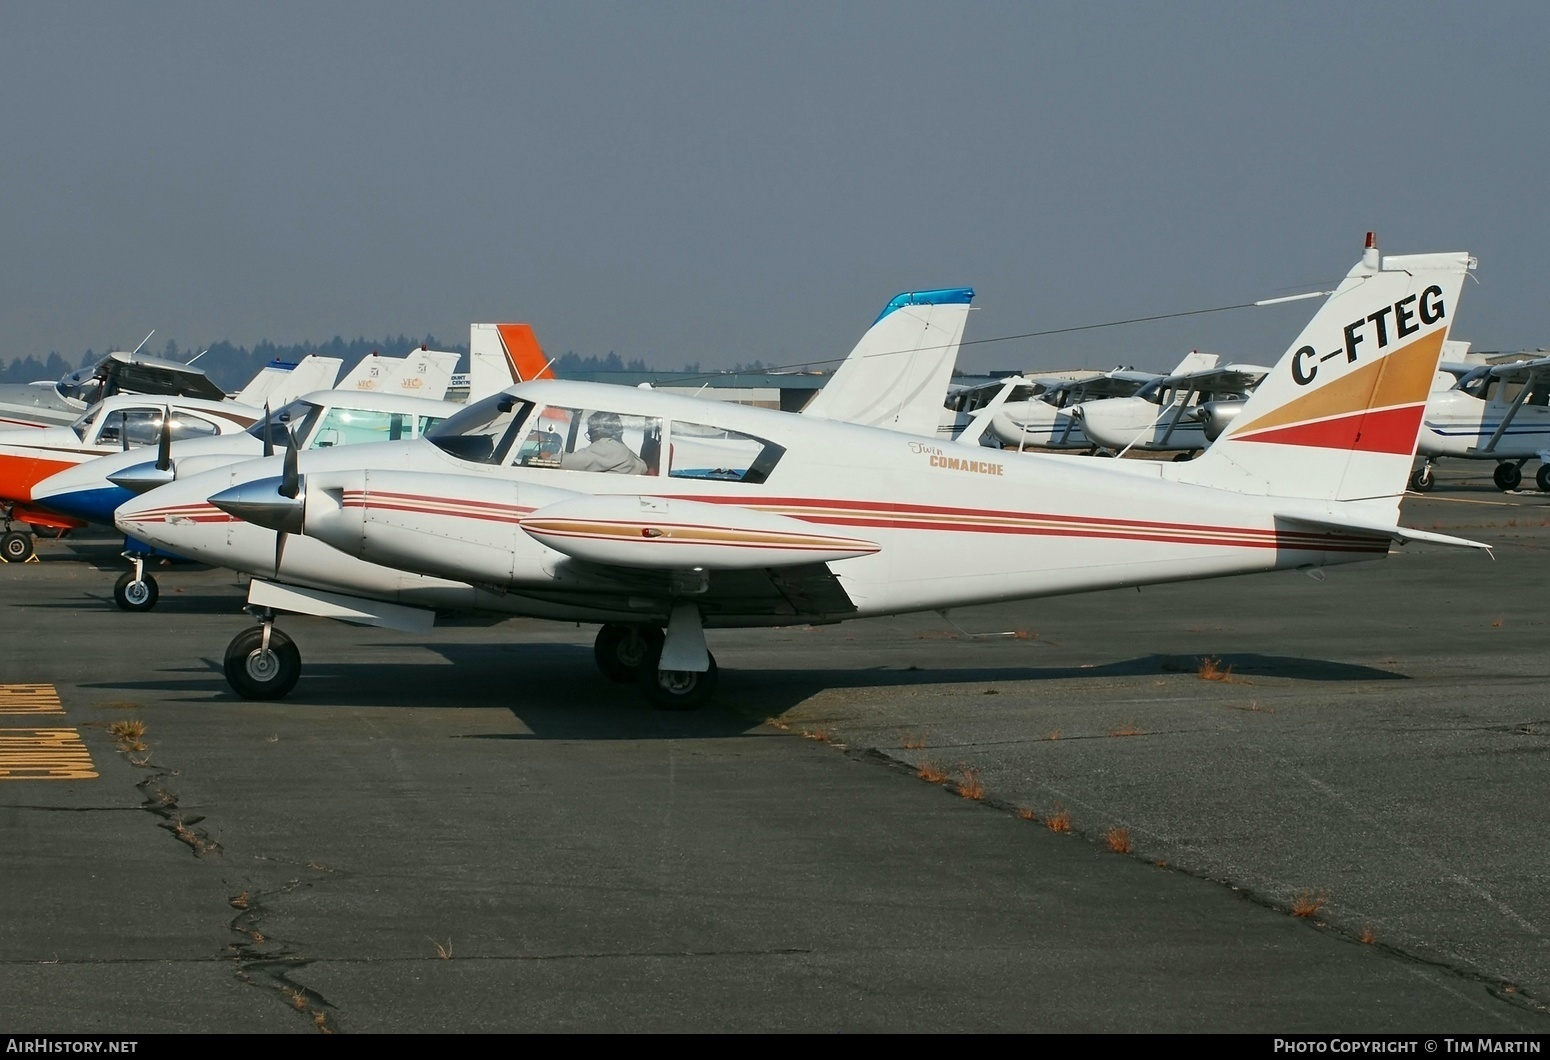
pixel 16 547
pixel 135 594
pixel 621 652
pixel 679 689
pixel 255 672
pixel 1507 477
pixel 1423 478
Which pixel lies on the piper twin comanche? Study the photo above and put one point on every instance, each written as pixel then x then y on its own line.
pixel 92 491
pixel 711 515
pixel 28 455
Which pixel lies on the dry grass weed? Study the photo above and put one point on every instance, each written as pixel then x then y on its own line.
pixel 1126 730
pixel 1059 821
pixel 1306 903
pixel 1026 814
pixel 969 785
pixel 1211 669
pixel 930 773
pixel 914 741
pixel 1118 839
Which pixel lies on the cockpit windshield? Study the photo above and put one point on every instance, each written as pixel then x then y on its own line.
pixel 483 432
pixel 84 421
pixel 297 418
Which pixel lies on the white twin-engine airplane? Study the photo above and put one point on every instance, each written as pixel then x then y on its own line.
pixel 659 516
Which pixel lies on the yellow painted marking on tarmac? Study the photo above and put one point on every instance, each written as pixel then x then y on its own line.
pixel 30 699
pixel 44 754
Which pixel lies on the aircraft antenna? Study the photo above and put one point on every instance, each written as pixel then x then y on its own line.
pixel 143 341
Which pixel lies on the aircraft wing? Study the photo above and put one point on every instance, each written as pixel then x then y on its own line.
pixel 1521 371
pixel 152 375
pixel 807 591
pixel 1222 377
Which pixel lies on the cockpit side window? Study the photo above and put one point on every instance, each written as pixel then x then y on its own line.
pixel 484 432
pixel 700 450
pixel 296 419
pixel 579 439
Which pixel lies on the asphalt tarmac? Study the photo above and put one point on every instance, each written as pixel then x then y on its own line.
pixel 475 832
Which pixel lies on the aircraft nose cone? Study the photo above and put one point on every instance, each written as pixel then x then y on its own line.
pixel 142 478
pixel 260 502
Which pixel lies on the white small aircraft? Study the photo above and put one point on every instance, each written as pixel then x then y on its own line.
pixel 1033 412
pixel 130 420
pixel 1165 414
pixel 719 515
pixel 1497 412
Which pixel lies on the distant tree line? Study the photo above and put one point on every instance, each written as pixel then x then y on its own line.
pixel 231 366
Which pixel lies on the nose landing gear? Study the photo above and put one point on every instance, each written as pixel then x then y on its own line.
pixel 135 590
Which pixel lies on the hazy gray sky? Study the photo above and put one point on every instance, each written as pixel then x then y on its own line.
pixel 727 181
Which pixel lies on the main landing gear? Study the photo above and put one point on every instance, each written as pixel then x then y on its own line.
pixel 135 590
pixel 627 654
pixel 262 662
pixel 1423 478
pixel 1508 476
pixel 1542 478
pixel 16 547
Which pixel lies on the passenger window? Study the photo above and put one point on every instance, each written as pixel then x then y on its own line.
pixel 186 426
pixel 698 450
pixel 592 440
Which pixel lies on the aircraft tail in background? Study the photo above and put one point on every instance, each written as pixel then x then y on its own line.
pixel 503 354
pixel 420 373
pixel 278 384
pixel 897 375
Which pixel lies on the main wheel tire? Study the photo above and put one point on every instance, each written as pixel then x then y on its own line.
pixel 1423 478
pixel 16 546
pixel 256 674
pixel 621 652
pixel 1507 477
pixel 132 594
pixel 1542 477
pixel 46 531
pixel 679 689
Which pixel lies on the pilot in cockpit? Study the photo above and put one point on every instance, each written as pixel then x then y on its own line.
pixel 607 451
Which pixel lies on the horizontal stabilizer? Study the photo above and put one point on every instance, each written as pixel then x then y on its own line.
pixel 1400 534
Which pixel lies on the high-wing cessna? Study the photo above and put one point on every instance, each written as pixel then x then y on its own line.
pixel 659 516
pixel 1033 412
pixel 1164 415
pixel 91 491
pixel 1497 412
pixel 61 403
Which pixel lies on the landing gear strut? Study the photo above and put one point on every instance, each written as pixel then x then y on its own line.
pixel 262 662
pixel 135 590
pixel 1508 476
pixel 1422 478
pixel 622 652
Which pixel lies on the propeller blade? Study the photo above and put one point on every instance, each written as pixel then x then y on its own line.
pixel 290 478
pixel 268 441
pixel 164 443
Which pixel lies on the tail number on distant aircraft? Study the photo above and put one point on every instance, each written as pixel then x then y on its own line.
pixel 1428 310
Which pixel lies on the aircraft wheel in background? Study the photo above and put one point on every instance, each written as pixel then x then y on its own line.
pixel 1422 479
pixel 1507 477
pixel 16 547
pixel 621 652
pixel 135 594
pixel 679 689
pixel 254 673
pixel 1185 455
pixel 45 531
pixel 1542 477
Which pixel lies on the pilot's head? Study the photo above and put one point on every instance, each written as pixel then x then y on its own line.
pixel 605 425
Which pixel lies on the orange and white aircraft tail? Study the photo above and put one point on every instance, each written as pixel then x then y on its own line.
pixel 1338 418
pixel 503 354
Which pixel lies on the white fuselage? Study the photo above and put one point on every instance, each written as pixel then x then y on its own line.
pixel 944 526
pixel 1461 425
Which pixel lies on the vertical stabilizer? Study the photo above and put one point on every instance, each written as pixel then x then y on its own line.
pixel 897 375
pixel 1338 417
pixel 420 373
pixel 277 384
pixel 503 354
